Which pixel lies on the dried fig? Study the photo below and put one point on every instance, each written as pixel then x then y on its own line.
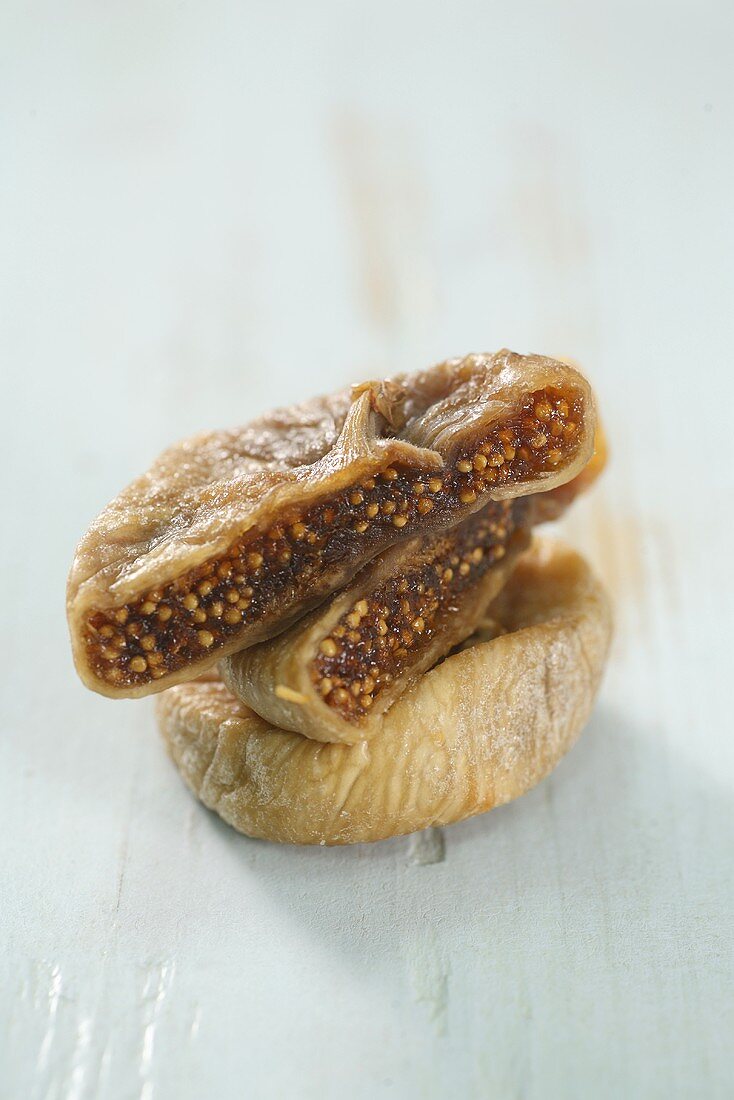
pixel 233 536
pixel 478 730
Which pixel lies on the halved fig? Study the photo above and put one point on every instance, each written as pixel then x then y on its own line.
pixel 478 730
pixel 334 674
pixel 232 536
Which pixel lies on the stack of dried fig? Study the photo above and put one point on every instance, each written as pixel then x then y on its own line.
pixel 353 631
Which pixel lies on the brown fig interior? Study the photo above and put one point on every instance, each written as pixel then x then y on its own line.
pixel 387 629
pixel 265 575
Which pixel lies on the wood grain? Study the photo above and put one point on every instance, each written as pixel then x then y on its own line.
pixel 207 210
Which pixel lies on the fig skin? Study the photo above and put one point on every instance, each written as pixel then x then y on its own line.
pixel 202 495
pixel 478 730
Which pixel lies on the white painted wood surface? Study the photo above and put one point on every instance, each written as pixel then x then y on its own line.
pixel 210 208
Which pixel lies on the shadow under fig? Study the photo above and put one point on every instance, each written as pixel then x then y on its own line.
pixel 609 818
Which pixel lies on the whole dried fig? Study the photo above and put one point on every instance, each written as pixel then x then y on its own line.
pixel 479 729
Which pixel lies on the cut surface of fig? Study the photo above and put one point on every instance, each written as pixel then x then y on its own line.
pixel 379 636
pixel 184 569
pixel 333 674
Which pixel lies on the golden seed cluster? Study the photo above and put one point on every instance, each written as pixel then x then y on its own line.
pixel 265 575
pixel 376 641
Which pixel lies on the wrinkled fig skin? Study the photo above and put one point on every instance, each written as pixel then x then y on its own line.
pixel 333 675
pixel 478 730
pixel 232 536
